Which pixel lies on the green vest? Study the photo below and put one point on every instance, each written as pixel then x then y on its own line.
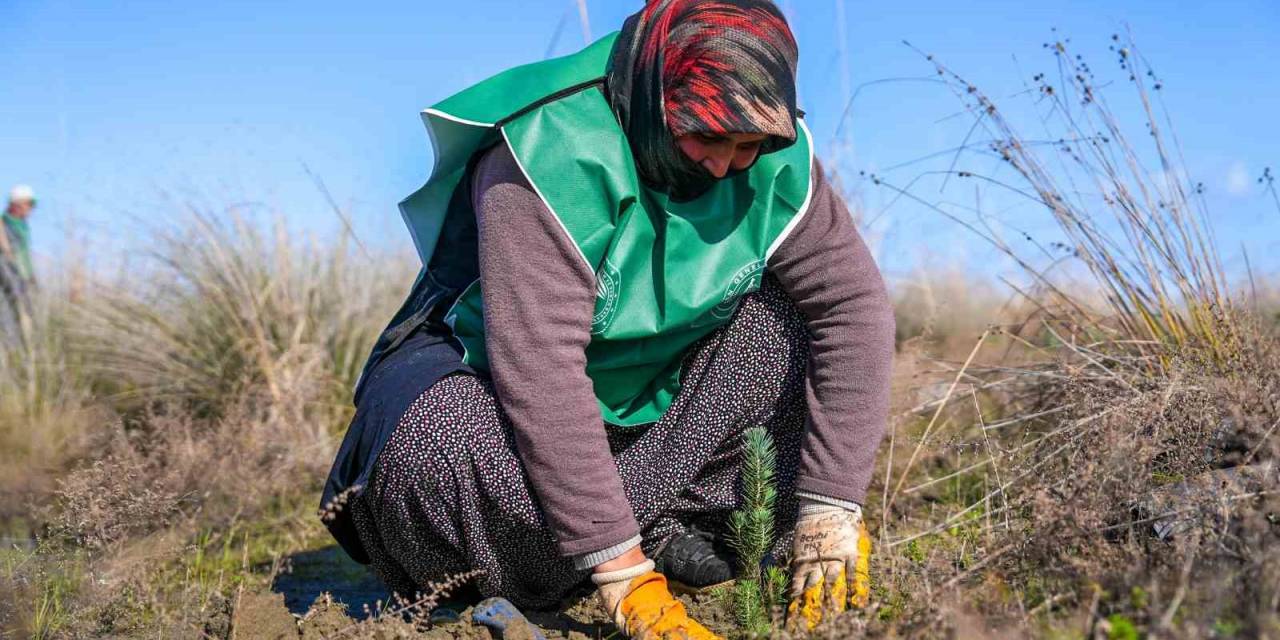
pixel 19 236
pixel 667 273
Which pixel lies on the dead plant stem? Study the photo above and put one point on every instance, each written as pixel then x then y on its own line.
pixel 929 428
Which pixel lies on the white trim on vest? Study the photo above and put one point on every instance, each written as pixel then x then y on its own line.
pixel 452 118
pixel 538 191
pixel 808 197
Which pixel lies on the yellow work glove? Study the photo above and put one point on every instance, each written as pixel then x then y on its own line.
pixel 642 606
pixel 830 564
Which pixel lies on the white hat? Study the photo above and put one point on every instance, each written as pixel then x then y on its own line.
pixel 22 193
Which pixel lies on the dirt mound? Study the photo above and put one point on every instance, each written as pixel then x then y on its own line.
pixel 263 616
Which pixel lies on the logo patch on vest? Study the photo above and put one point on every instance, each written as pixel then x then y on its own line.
pixel 608 280
pixel 746 280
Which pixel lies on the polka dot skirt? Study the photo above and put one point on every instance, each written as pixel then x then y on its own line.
pixel 449 494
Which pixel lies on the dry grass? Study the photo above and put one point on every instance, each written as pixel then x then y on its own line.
pixel 1031 524
pixel 1033 496
pixel 1124 207
pixel 184 412
pixel 227 308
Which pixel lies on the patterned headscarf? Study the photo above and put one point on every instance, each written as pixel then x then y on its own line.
pixel 701 66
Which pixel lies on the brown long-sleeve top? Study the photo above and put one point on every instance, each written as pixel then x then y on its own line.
pixel 539 298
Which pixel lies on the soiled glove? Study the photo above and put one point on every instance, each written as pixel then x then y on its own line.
pixel 830 569
pixel 642 606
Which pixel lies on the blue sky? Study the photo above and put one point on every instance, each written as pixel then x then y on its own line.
pixel 119 112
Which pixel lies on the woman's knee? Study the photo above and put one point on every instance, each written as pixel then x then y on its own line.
pixel 772 309
pixel 770 332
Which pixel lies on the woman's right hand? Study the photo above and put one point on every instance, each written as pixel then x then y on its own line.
pixel 642 606
pixel 830 564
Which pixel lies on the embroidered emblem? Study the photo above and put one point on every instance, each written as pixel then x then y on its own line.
pixel 745 281
pixel 608 280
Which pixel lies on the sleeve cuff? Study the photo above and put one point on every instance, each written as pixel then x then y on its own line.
pixel 850 490
pixel 585 561
pixel 828 500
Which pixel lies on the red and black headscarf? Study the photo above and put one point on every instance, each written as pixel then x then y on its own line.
pixel 701 66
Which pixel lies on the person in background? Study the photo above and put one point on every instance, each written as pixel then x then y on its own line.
pixel 17 275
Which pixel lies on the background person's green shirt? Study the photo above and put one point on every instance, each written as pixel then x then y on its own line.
pixel 19 233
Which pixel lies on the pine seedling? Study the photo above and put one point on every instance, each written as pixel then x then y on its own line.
pixel 749 608
pixel 775 587
pixel 751 530
pixel 751 526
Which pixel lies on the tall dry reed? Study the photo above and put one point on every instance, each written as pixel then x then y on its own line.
pixel 225 309
pixel 1121 200
pixel 1032 495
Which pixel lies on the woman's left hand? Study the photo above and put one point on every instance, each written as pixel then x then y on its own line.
pixel 830 566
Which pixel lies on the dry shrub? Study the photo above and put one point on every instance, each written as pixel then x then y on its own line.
pixel 108 501
pixel 1166 491
pixel 1120 476
pixel 1122 202
pixel 1142 501
pixel 160 519
pixel 190 408
pixel 173 468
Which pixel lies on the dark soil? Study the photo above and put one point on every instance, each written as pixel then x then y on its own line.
pixel 329 570
pixel 325 594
